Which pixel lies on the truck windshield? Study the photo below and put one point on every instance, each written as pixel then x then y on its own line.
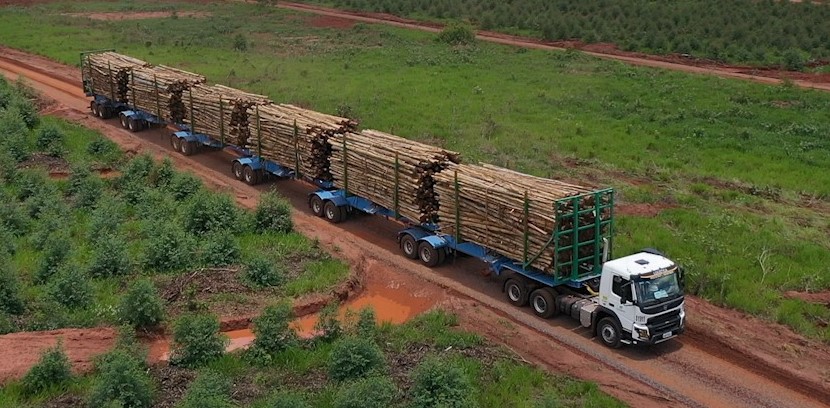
pixel 650 291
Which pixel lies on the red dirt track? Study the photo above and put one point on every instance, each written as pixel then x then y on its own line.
pixel 726 359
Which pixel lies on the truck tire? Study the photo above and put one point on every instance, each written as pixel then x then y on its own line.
pixel 316 205
pixel 543 302
pixel 133 125
pixel 105 112
pixel 176 142
pixel 249 176
pixel 428 254
pixel 409 246
pixel 123 119
pixel 93 107
pixel 332 212
pixel 516 291
pixel 609 332
pixel 236 169
pixel 187 148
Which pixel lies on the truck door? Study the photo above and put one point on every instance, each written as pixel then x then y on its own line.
pixel 622 300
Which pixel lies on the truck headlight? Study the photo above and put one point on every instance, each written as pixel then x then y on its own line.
pixel 642 333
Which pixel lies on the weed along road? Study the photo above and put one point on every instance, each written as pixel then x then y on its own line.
pixel 702 369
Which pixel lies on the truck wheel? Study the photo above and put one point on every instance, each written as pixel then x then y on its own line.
pixel 249 176
pixel 516 292
pixel 442 256
pixel 236 169
pixel 332 212
pixel 316 205
pixel 609 332
pixel 428 254
pixel 187 148
pixel 93 107
pixel 409 246
pixel 176 142
pixel 133 125
pixel 543 303
pixel 104 112
pixel 123 120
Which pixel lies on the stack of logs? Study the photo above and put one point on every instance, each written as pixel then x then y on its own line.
pixel 391 171
pixel 109 73
pixel 309 152
pixel 223 113
pixel 160 89
pixel 490 206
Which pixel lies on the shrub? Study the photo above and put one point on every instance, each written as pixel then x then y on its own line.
pixel 438 383
pixel 123 381
pixel 221 249
pixel 13 218
pixel 141 307
pixel 10 300
pixel 70 288
pixel 367 323
pixel 136 170
pixel 288 400
pixel 208 390
pixel 328 326
pixel 162 174
pixel 210 212
pixel 109 213
pixel 372 392
pixel 45 200
pixel 49 136
pixel 6 324
pixel 793 60
pixel 49 226
pixel 13 135
pixel 8 166
pixel 457 34
pixel 168 248
pixel 109 257
pixel 196 340
pixel 184 185
pixel 101 146
pixel 7 242
pixel 27 111
pixel 273 213
pixel 55 253
pixel 261 272
pixel 53 369
pixel 89 192
pixel 240 43
pixel 353 358
pixel 272 329
pixel 78 174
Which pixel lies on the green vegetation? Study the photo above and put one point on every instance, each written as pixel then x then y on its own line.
pixel 53 370
pixel 68 244
pixel 353 358
pixel 722 162
pixel 745 31
pixel 197 341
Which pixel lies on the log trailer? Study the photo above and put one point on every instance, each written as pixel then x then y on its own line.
pixel 635 299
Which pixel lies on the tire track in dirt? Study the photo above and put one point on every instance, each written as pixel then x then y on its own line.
pixel 678 373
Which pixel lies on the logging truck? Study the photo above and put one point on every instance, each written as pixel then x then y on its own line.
pixel 558 266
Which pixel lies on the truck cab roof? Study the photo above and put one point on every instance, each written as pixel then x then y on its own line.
pixel 638 264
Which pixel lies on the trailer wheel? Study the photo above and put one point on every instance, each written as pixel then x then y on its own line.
pixel 93 107
pixel 316 205
pixel 175 142
pixel 409 246
pixel 104 112
pixel 332 212
pixel 442 256
pixel 133 125
pixel 428 254
pixel 516 292
pixel 236 169
pixel 249 176
pixel 187 148
pixel 123 120
pixel 543 302
pixel 609 332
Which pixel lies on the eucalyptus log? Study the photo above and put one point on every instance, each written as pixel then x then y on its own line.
pixel 109 73
pixel 392 171
pixel 159 90
pixel 223 113
pixel 496 208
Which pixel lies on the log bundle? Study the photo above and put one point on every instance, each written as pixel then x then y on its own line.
pixel 223 113
pixel 394 172
pixel 310 150
pixel 488 208
pixel 159 90
pixel 110 74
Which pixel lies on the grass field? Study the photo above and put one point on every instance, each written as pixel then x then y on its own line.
pixel 735 171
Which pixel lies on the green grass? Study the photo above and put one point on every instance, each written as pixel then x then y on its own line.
pixel 730 157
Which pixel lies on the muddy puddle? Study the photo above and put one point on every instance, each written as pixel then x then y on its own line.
pixel 395 302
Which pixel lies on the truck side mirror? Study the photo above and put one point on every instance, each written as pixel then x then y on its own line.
pixel 681 278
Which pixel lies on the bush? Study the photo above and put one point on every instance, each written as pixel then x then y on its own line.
pixel 13 218
pixel 197 341
pixel 109 257
pixel 136 170
pixel 100 146
pixel 260 272
pixel 273 213
pixel 49 137
pixel 208 390
pixel 6 324
pixel 141 307
pixel 210 212
pixel 55 253
pixel 10 300
pixel 78 174
pixel 288 400
pixel 70 288
pixel 109 213
pixel 272 329
pixel 13 135
pixel 8 166
pixel 353 358
pixel 457 34
pixel 184 185
pixel 367 323
pixel 27 112
pixel 168 248
pixel 240 43
pixel 123 381
pixel 53 369
pixel 162 174
pixel 438 383
pixel 372 392
pixel 328 326
pixel 221 249
pixel 793 60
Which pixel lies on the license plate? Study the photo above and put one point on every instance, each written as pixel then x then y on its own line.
pixel 666 335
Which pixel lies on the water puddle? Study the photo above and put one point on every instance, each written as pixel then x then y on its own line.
pixel 395 303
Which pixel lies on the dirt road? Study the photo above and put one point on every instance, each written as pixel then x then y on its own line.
pixel 725 360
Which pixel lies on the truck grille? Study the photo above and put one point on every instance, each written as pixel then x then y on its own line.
pixel 664 322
